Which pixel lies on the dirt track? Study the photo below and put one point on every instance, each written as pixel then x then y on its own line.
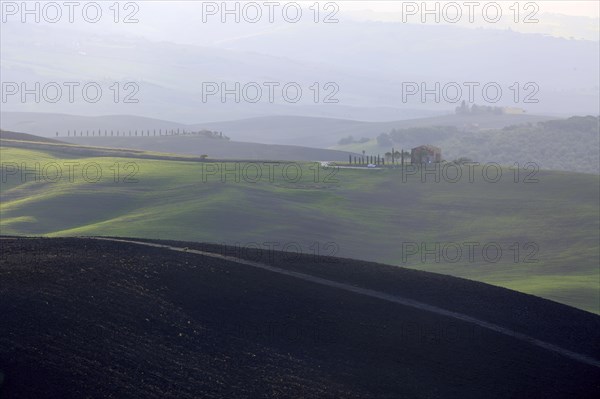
pixel 98 318
pixel 379 295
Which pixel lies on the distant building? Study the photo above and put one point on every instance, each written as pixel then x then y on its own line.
pixel 425 154
pixel 513 111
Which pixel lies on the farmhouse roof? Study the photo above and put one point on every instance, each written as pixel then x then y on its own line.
pixel 428 147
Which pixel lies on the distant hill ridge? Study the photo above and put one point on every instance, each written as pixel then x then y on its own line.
pixel 27 137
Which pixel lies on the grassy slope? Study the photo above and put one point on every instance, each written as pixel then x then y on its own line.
pixel 367 214
pixel 220 149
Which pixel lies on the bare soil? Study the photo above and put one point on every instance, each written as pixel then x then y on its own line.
pixel 90 318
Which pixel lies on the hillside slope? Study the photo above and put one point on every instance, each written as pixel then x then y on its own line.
pixel 565 144
pixel 97 318
pixel 214 148
pixel 7 135
pixel 279 129
pixel 546 228
pixel 326 132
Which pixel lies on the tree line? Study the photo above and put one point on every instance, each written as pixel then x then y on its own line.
pixel 144 133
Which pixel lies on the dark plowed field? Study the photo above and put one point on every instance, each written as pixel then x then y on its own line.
pixel 88 318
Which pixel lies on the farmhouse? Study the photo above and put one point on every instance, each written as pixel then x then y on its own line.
pixel 425 154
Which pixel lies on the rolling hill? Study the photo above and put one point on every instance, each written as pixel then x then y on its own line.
pixel 285 129
pixel 176 147
pixel 48 124
pixel 219 149
pixel 565 144
pixel 89 317
pixel 326 132
pixel 544 224
pixel 7 135
pixel 367 61
pixel 294 138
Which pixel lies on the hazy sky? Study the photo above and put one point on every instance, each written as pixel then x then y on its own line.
pixel 569 19
pixel 365 50
pixel 590 8
pixel 164 20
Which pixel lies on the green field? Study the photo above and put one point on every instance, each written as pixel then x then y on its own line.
pixel 366 214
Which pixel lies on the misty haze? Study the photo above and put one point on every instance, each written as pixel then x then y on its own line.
pixel 300 199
